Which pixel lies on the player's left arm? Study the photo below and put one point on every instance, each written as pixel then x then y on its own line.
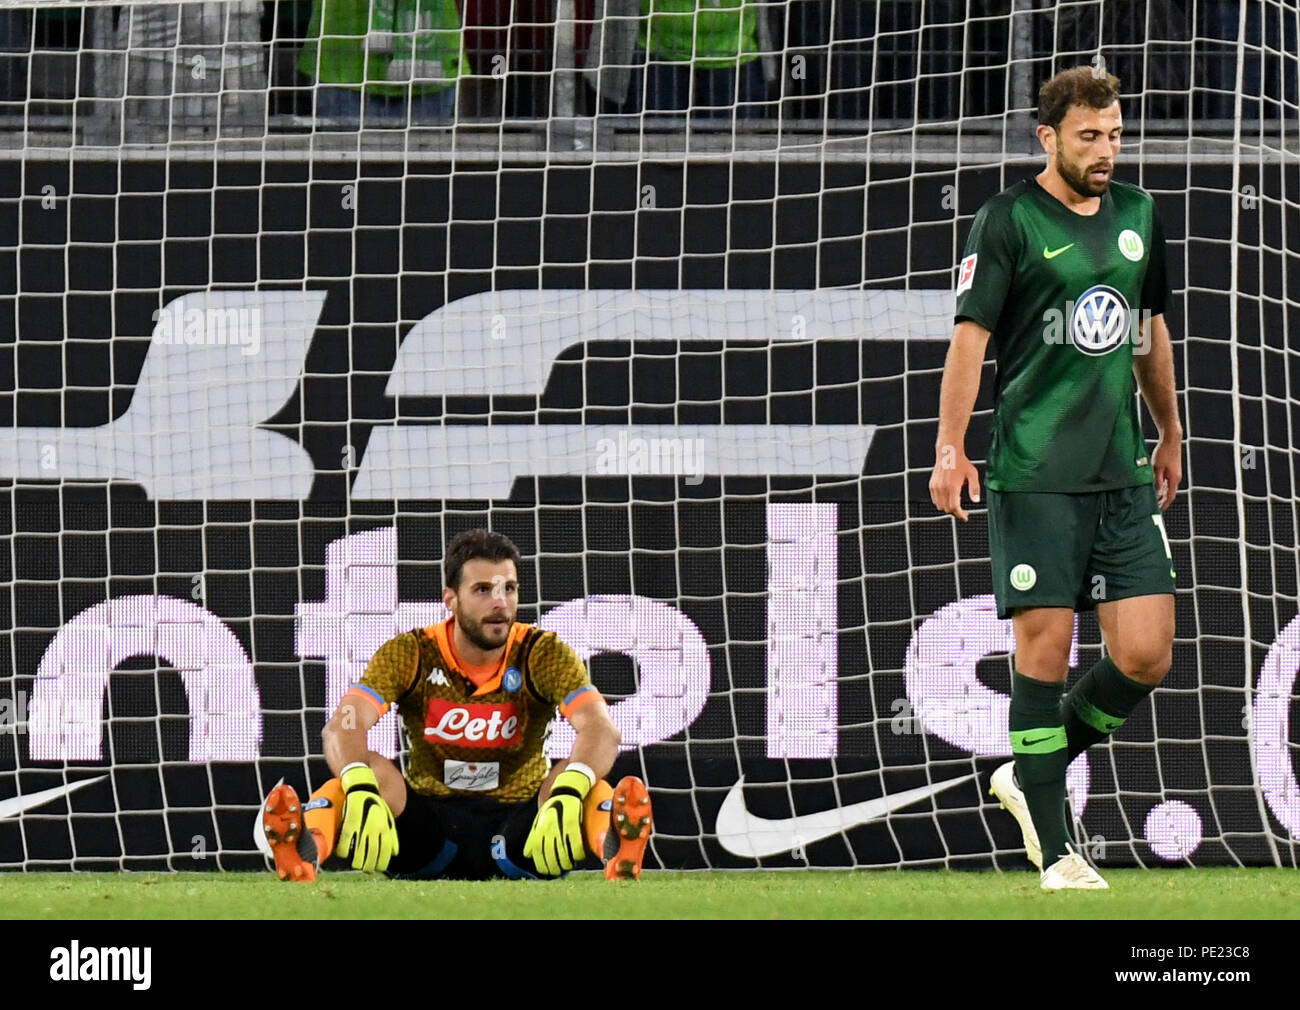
pixel 596 745
pixel 1153 366
pixel 558 676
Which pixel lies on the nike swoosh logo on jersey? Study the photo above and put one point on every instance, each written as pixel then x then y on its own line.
pixel 1053 253
pixel 744 834
pixel 19 804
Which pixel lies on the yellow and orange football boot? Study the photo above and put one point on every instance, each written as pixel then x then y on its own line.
pixel 282 834
pixel 630 824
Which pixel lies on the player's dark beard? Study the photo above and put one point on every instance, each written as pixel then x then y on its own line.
pixel 1078 181
pixel 474 632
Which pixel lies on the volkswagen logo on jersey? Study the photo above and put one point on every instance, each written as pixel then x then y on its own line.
pixel 1100 320
pixel 513 679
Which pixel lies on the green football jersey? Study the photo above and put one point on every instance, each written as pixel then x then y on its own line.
pixel 1064 296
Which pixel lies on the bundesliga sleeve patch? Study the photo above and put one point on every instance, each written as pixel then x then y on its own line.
pixel 966 276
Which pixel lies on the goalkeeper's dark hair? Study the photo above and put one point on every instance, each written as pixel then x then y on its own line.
pixel 476 544
pixel 1076 86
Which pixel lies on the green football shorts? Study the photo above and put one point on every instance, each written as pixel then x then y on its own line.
pixel 1077 550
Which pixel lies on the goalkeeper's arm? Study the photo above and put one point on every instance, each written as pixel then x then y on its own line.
pixel 374 792
pixel 595 748
pixel 555 844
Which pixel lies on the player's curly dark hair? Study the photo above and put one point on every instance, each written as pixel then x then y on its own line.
pixel 476 544
pixel 1076 86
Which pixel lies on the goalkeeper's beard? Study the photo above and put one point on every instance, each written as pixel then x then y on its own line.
pixel 476 632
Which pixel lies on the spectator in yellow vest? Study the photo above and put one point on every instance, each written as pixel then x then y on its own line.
pixel 402 56
pixel 697 55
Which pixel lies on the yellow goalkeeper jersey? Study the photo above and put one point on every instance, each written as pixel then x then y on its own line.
pixel 476 731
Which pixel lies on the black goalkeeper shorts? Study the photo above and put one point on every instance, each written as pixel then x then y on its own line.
pixel 462 838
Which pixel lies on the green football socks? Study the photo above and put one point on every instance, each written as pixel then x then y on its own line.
pixel 1098 705
pixel 1041 752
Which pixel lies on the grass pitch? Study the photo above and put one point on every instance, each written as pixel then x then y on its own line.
pixel 884 894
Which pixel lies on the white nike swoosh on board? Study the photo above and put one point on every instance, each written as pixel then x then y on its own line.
pixel 744 834
pixel 18 804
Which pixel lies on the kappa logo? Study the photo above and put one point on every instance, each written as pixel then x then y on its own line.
pixel 436 676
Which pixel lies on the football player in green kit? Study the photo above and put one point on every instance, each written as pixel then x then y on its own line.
pixel 1066 272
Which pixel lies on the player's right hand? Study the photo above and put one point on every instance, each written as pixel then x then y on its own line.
pixel 952 470
pixel 368 835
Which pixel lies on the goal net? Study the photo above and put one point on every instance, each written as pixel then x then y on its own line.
pixel 292 297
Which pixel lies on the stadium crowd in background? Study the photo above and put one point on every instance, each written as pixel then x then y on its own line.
pixel 794 60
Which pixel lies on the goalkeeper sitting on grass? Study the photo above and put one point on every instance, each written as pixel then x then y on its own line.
pixel 477 693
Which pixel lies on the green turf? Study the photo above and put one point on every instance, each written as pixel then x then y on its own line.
pixel 1134 894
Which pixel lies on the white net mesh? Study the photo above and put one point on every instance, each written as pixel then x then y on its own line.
pixel 292 298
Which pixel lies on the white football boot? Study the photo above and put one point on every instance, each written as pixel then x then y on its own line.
pixel 1072 873
pixel 1003 787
